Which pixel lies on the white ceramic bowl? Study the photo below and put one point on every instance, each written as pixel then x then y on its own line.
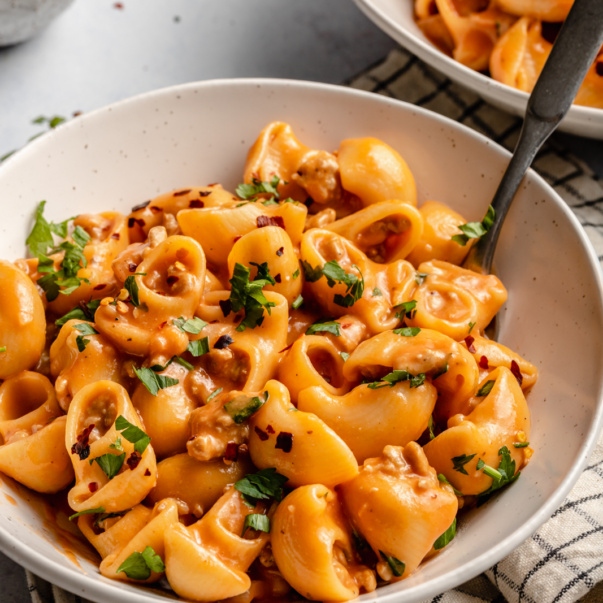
pixel 395 17
pixel 199 133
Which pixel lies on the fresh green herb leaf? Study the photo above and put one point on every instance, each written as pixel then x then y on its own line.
pixel 138 566
pixel 406 309
pixel 443 479
pixel 242 407
pixel 471 325
pixel 485 389
pixel 198 347
pixel 40 238
pixel 266 484
pixel 80 236
pixel 431 427
pixel 81 342
pixel 182 362
pixel 475 230
pixel 87 512
pixel 257 521
pixel 85 328
pixel 420 277
pixel 215 393
pixel 503 475
pixel 131 286
pixel 152 381
pixel 335 274
pixel 459 462
pixel 295 274
pixel 344 355
pixel 3 348
pixel 446 537
pixel 331 326
pixel 408 331
pixel 258 187
pixel 110 463
pixel 192 325
pixel 377 292
pixel 396 376
pixel 439 372
pixel 132 433
pixel 85 311
pixel 297 302
pixel 395 565
pixel 248 295
pixel 311 274
pixel 521 444
pixel 117 445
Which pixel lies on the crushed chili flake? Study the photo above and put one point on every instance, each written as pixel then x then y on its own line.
pixel 469 341
pixel 118 5
pixel 205 193
pixel 270 429
pixel 100 286
pixel 133 460
pixel 236 238
pixel 262 221
pixel 82 445
pixel 140 206
pixel 516 372
pixel 132 267
pixel 483 362
pixel 155 209
pixel 93 486
pixel 196 204
pixel 261 433
pixel 284 441
pixel 223 342
pixel 136 222
pixel 280 251
pixel 147 472
pixel 116 236
pixel 278 278
pixel 184 191
pixel 232 451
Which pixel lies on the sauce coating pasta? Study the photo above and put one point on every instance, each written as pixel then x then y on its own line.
pixel 508 39
pixel 285 390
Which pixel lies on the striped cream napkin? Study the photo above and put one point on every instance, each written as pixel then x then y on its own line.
pixel 563 561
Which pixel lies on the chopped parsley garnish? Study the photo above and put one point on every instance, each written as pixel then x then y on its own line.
pixel 395 565
pixel 446 537
pixel 110 463
pixel 344 355
pixel 87 512
pixel 264 485
pixel 420 277
pixel 194 325
pixel 256 521
pixel 215 393
pixel 242 407
pixel 396 376
pixel 503 475
pixel 152 381
pixel 485 389
pixel 138 566
pixel 84 328
pixel 406 309
pixel 408 331
pixel 247 295
pixel 85 311
pixel 311 274
pixel 444 480
pixel 132 433
pixel 459 462
pixel 475 230
pixel 40 239
pixel 377 292
pixel 182 362
pixel 297 302
pixel 3 349
pixel 521 444
pixel 331 326
pixel 131 286
pixel 258 187
pixel 335 274
pixel 198 347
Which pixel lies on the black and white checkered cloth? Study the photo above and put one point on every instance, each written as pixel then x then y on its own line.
pixel 563 561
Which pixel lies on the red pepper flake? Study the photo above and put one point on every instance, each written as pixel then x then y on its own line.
pixel 147 472
pixel 225 306
pixel 483 363
pixel 100 286
pixel 262 221
pixel 132 267
pixel 140 206
pixel 285 349
pixel 133 460
pixel 82 445
pixel 469 341
pixel 118 5
pixel 280 251
pixel 155 209
pixel 93 486
pixel 345 325
pixel 284 441
pixel 277 278
pixel 261 433
pixel 116 236
pixel 236 238
pixel 206 193
pixel 223 342
pixel 172 280
pixel 516 372
pixel 196 204
pixel 270 429
pixel 184 191
pixel 231 453
pixel 136 222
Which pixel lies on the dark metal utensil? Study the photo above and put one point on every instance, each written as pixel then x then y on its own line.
pixel 572 54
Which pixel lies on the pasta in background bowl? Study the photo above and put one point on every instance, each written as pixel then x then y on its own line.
pixel 396 18
pixel 197 134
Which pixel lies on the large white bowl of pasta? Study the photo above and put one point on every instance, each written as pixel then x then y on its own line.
pixel 239 357
pixel 496 48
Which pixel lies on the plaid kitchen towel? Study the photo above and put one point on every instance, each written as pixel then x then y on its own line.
pixel 563 561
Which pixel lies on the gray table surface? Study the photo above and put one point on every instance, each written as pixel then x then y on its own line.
pixel 100 51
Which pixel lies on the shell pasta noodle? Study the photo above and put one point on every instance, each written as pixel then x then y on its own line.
pixel 285 390
pixel 509 39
